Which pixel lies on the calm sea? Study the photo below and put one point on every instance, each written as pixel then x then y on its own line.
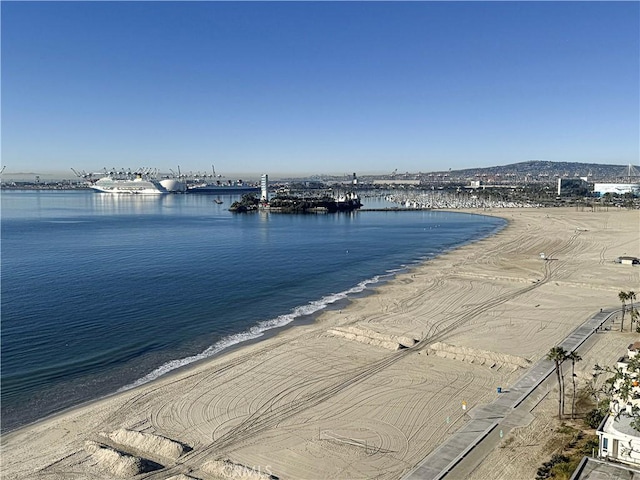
pixel 101 293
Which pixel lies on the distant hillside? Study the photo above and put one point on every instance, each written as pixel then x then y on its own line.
pixel 541 168
pixel 523 172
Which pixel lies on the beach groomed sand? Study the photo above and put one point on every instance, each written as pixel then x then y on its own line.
pixel 364 392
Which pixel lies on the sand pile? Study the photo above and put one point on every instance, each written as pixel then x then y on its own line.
pixel 155 445
pixel 117 463
pixel 477 356
pixel 182 476
pixel 227 469
pixel 371 337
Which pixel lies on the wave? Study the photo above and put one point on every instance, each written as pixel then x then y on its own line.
pixel 66 221
pixel 257 330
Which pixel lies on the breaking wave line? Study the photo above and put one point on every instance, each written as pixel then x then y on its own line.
pixel 256 331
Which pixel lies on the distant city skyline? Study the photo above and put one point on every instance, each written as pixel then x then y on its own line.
pixel 302 88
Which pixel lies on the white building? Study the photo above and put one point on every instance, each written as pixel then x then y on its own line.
pixel 627 260
pixel 618 440
pixel 616 188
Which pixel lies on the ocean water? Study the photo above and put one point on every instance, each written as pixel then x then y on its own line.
pixel 101 293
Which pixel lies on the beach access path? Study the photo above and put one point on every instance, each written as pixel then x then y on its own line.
pixel 489 423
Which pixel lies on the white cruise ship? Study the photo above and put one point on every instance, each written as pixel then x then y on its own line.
pixel 136 186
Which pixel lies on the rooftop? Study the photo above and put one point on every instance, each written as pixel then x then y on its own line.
pixel 592 469
pixel 621 424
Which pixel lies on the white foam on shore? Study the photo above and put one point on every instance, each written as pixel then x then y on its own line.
pixel 255 332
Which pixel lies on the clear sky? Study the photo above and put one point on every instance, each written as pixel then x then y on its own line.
pixel 318 87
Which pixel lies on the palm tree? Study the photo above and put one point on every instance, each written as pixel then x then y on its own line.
pixel 623 296
pixel 574 357
pixel 631 296
pixel 558 355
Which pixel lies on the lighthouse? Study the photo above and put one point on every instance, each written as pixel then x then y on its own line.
pixel 264 188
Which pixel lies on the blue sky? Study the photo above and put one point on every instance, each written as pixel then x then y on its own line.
pixel 318 87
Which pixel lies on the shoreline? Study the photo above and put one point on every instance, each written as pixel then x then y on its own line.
pixel 456 285
pixel 369 287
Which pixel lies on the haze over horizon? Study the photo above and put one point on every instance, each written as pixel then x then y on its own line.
pixel 297 88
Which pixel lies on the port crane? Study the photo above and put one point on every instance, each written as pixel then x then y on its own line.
pixel 84 175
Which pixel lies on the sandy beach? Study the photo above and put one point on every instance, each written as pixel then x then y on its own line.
pixel 345 398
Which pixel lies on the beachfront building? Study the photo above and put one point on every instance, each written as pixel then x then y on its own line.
pixel 628 260
pixel 595 469
pixel 601 189
pixel 623 400
pixel 618 439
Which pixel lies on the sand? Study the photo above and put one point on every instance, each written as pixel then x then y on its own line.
pixel 344 397
pixel 525 449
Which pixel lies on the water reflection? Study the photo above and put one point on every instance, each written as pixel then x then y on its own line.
pixel 131 204
pixel 65 204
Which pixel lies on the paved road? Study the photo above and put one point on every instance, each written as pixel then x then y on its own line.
pixel 466 448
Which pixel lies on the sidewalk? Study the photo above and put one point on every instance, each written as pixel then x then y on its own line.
pixel 503 412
